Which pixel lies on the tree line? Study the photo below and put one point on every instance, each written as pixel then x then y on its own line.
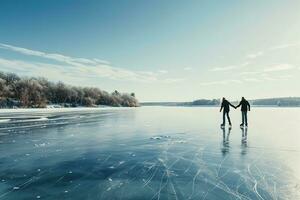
pixel 16 91
pixel 283 101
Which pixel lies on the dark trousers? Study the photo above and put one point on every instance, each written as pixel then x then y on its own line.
pixel 244 118
pixel 228 118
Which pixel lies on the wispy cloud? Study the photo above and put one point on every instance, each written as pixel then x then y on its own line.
pixel 227 68
pixel 53 71
pixel 252 79
pixel 273 48
pixel 53 56
pixel 257 73
pixel 230 67
pixel 255 55
pixel 162 71
pixel 173 80
pixel 79 66
pixel 187 68
pixel 268 73
pixel 285 77
pixel 223 82
pixel 279 67
pixel 259 54
pixel 267 77
pixel 250 72
pixel 261 78
pixel 260 75
pixel 284 46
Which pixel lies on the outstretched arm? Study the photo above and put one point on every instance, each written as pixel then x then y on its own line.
pixel 232 105
pixel 239 105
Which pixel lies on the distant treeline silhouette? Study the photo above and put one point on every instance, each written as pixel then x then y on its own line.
pixel 201 102
pixel 282 101
pixel 34 92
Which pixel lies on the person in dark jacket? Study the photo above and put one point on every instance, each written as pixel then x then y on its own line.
pixel 226 108
pixel 245 107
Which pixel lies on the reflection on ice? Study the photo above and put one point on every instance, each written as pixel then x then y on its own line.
pixel 244 140
pixel 144 153
pixel 225 147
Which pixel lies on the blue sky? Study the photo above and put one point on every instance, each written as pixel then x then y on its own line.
pixel 161 50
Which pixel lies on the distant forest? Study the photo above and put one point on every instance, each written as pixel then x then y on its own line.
pixel 34 92
pixel 283 101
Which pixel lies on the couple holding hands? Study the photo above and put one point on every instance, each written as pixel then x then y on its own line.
pixel 245 107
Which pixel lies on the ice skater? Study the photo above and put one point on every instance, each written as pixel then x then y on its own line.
pixel 245 107
pixel 226 108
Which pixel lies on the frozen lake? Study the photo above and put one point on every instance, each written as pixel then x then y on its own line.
pixel 149 153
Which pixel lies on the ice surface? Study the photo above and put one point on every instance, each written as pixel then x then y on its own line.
pixel 149 153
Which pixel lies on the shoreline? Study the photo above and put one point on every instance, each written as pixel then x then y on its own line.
pixel 218 106
pixel 68 109
pixel 59 110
